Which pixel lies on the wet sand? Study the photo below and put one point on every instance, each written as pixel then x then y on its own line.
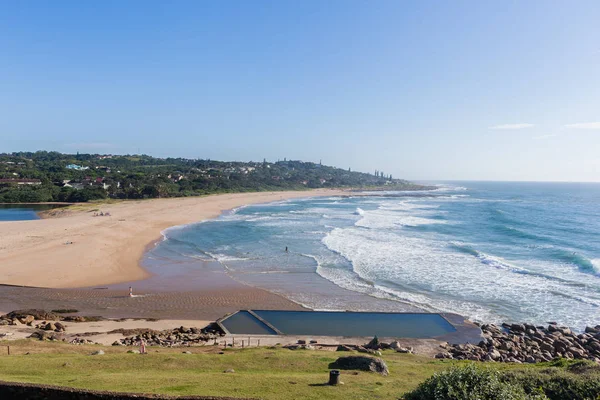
pixel 209 304
pixel 204 293
pixel 94 272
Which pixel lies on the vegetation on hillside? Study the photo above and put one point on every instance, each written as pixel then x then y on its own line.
pixel 51 176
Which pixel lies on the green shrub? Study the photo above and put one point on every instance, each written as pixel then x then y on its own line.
pixel 579 381
pixel 470 382
pixel 559 380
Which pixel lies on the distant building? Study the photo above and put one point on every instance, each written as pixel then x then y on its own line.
pixel 75 185
pixel 175 177
pixel 76 167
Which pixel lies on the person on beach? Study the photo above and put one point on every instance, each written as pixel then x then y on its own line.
pixel 130 291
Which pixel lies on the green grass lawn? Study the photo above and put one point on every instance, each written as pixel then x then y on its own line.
pixel 259 372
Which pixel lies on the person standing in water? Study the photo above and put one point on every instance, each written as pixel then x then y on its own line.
pixel 286 249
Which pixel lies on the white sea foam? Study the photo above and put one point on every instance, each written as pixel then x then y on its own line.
pixel 384 219
pixel 596 264
pixel 449 188
pixel 316 232
pixel 406 206
pixel 451 281
pixel 223 258
pixel 498 262
pixel 236 209
pixel 165 232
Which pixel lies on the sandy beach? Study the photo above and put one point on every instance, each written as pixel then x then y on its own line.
pixel 106 250
pixel 73 259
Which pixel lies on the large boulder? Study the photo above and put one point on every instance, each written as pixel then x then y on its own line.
pixel 374 344
pixel 50 326
pixel 27 320
pixel 40 315
pixel 45 335
pixel 361 363
pixel 494 354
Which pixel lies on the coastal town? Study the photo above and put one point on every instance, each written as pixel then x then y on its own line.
pixel 52 176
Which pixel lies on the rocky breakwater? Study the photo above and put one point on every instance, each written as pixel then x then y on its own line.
pixel 181 336
pixel 526 343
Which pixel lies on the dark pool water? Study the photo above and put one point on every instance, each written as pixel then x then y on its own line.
pixel 244 322
pixel 322 323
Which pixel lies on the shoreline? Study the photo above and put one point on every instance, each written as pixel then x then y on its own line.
pixel 108 250
pixel 64 261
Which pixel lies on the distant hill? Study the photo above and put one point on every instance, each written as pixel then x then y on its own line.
pixel 51 176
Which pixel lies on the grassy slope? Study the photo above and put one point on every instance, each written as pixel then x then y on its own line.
pixel 262 373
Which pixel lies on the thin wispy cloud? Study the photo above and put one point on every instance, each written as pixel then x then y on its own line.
pixel 583 125
pixel 545 136
pixel 512 126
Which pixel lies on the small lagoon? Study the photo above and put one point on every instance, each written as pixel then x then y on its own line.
pixel 23 212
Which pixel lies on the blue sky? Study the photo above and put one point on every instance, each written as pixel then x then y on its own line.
pixel 498 90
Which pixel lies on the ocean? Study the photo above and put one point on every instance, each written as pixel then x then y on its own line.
pixel 491 251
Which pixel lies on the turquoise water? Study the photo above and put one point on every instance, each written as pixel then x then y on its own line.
pixel 490 251
pixel 21 212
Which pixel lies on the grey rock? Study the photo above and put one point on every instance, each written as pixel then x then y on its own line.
pixel 361 363
pixel 495 354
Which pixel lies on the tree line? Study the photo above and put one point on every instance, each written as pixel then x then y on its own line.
pixel 61 177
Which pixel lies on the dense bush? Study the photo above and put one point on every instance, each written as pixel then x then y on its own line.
pixel 579 381
pixel 469 383
pixel 560 381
